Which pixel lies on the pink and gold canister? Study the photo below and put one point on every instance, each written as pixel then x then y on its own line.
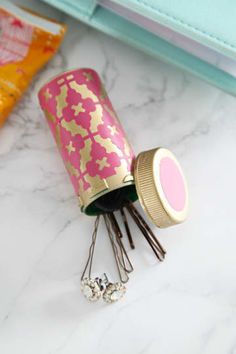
pixel 90 138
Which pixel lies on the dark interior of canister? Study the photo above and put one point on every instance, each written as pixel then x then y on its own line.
pixel 112 200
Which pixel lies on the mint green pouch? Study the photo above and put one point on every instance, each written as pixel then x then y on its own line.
pixel 198 36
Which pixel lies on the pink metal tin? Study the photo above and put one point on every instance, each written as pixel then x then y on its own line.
pixel 89 136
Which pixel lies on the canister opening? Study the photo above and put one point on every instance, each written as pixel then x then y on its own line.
pixel 112 200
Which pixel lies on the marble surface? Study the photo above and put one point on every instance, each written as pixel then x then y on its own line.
pixel 186 304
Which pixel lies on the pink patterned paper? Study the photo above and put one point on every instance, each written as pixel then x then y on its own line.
pixel 15 39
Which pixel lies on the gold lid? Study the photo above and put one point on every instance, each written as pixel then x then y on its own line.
pixel 161 187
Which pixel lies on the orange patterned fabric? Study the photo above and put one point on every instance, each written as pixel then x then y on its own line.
pixel 24 49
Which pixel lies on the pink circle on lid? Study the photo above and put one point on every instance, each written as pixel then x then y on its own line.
pixel 172 183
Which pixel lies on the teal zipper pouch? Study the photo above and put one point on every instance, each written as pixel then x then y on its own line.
pixel 198 36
